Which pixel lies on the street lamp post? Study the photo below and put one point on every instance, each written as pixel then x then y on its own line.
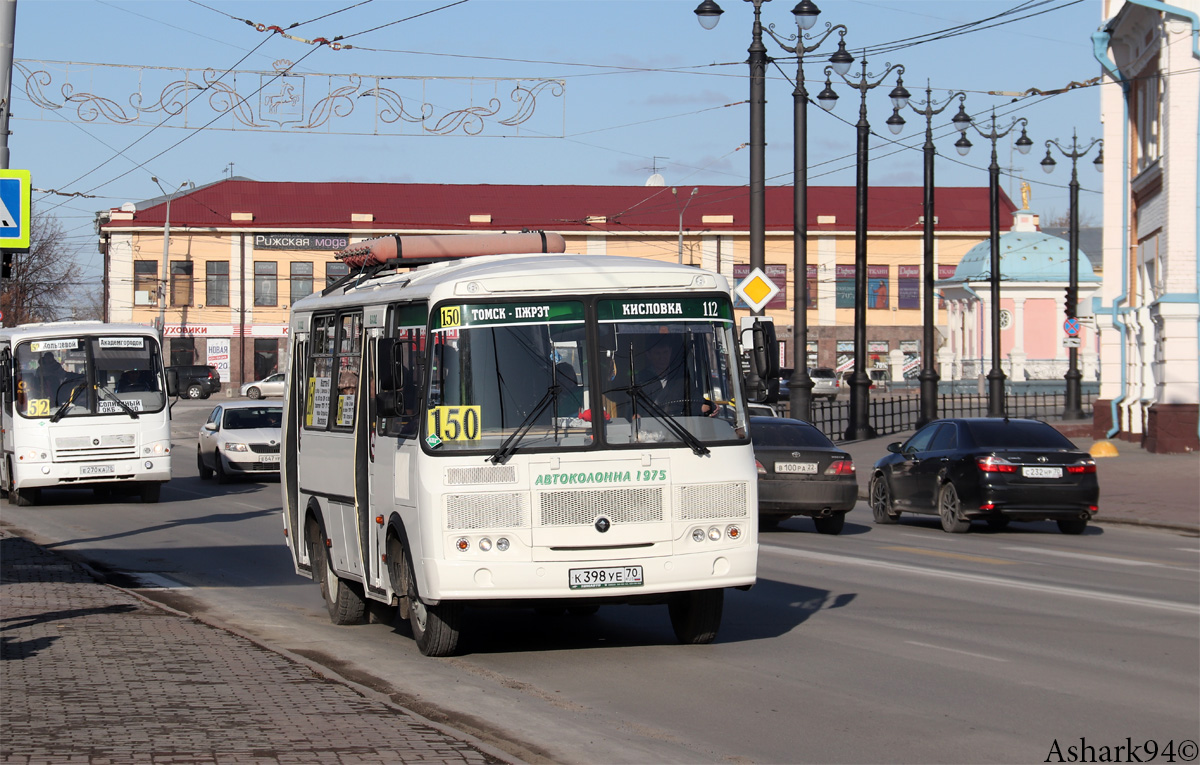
pixel 806 12
pixel 1073 405
pixel 675 193
pixel 860 381
pixel 996 377
pixel 165 283
pixel 709 13
pixel 929 375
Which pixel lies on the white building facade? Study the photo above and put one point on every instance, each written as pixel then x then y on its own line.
pixel 1148 311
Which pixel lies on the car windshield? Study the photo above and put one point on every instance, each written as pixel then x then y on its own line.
pixel 787 434
pixel 248 418
pixel 73 377
pixel 1014 434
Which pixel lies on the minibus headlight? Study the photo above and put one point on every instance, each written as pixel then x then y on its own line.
pixel 714 534
pixel 485 544
pixel 502 544
pixel 697 535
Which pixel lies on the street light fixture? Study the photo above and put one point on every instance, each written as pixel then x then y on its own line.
pixel 996 377
pixel 1073 405
pixel 164 286
pixel 709 13
pixel 860 382
pixel 675 193
pixel 929 375
pixel 805 12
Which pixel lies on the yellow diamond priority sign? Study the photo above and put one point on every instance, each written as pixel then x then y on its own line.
pixel 756 289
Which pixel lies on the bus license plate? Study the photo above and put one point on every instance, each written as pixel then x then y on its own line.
pixel 612 576
pixel 268 458
pixel 96 469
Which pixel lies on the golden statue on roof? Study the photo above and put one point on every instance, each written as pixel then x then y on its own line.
pixel 1026 192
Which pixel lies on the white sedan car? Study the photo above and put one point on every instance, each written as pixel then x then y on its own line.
pixel 240 438
pixel 271 385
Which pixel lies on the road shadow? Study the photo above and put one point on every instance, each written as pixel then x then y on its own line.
pixel 982 528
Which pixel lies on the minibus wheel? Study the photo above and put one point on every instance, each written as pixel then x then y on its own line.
pixel 696 616
pixel 344 602
pixel 435 628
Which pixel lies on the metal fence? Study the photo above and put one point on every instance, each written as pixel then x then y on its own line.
pixel 899 413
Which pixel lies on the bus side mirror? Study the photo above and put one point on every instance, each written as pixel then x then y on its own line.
pixel 389 403
pixel 172 382
pixel 764 353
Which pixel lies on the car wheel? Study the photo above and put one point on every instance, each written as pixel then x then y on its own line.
pixel 343 600
pixel 696 616
pixel 1072 525
pixel 193 391
pixel 881 501
pixel 254 393
pixel 204 470
pixel 949 508
pixel 830 524
pixel 219 468
pixel 435 629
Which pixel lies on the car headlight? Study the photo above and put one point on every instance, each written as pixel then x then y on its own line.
pixel 232 447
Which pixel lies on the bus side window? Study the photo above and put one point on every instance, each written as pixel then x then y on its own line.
pixel 6 381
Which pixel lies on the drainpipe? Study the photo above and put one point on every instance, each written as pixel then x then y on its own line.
pixel 1192 17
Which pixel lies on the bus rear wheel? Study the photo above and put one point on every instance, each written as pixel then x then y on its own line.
pixel 435 629
pixel 696 616
pixel 343 600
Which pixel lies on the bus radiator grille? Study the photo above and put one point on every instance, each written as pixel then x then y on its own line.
pixel 705 501
pixel 581 508
pixel 498 510
pixel 458 476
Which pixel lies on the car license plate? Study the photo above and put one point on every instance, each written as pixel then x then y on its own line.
pixel 96 469
pixel 611 576
pixel 809 468
pixel 1041 472
pixel 268 458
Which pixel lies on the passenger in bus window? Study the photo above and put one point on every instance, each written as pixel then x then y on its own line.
pixel 570 398
pixel 661 380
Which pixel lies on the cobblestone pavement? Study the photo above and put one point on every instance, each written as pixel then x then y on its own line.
pixel 92 674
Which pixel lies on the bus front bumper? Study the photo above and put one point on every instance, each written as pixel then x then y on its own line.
pixel 69 474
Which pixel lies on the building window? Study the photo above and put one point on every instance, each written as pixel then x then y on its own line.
pixel 145 282
pixel 1146 101
pixel 183 351
pixel 266 288
pixel 181 282
pixel 216 283
pixel 302 280
pixel 266 357
pixel 334 271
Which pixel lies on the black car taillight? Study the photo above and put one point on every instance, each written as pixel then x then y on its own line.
pixel 840 467
pixel 1083 466
pixel 994 464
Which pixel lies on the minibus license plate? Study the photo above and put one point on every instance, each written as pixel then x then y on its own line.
pixel 96 469
pixel 612 576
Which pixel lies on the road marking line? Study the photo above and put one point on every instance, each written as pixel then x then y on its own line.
pixel 955 650
pixel 960 576
pixel 1121 561
pixel 956 556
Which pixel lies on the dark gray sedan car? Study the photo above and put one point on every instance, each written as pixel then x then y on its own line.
pixel 991 469
pixel 801 472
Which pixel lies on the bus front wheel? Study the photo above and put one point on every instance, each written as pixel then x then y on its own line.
pixel 20 497
pixel 435 629
pixel 696 616
pixel 343 601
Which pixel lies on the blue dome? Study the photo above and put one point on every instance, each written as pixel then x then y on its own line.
pixel 1025 256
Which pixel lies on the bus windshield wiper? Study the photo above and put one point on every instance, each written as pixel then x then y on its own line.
pixel 684 435
pixel 62 410
pixel 120 403
pixel 510 444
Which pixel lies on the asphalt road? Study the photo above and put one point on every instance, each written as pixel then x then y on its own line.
pixel 886 643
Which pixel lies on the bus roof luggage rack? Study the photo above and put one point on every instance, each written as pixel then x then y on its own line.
pixel 394 251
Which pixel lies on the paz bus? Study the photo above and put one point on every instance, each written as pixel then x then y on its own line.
pixel 528 429
pixel 84 406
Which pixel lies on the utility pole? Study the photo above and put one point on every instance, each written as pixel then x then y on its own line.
pixel 8 33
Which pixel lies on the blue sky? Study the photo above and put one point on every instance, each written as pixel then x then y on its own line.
pixel 643 88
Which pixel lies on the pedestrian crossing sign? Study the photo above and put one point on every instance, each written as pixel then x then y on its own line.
pixel 15 197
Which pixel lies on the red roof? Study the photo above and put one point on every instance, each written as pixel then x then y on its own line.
pixel 444 207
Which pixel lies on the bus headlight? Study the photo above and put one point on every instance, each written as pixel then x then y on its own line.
pixel 697 535
pixel 485 544
pixel 714 534
pixel 231 447
pixel 158 448
pixel 31 455
pixel 502 544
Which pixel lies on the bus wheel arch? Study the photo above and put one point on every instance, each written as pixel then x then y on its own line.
pixel 435 628
pixel 344 599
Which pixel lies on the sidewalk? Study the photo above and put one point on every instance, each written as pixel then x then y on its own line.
pixel 1136 487
pixel 93 674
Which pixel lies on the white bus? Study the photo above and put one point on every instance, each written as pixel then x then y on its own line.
pixel 535 430
pixel 84 406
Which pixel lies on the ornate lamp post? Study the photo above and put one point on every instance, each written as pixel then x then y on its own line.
pixel 806 12
pixel 860 382
pixel 929 376
pixel 709 13
pixel 996 377
pixel 1073 408
pixel 165 285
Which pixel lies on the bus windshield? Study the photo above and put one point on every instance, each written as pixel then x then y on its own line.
pixel 508 376
pixel 72 377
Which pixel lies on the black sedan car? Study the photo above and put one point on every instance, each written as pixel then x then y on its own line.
pixel 801 472
pixel 991 469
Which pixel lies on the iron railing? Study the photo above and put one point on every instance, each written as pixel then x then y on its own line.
pixel 899 413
